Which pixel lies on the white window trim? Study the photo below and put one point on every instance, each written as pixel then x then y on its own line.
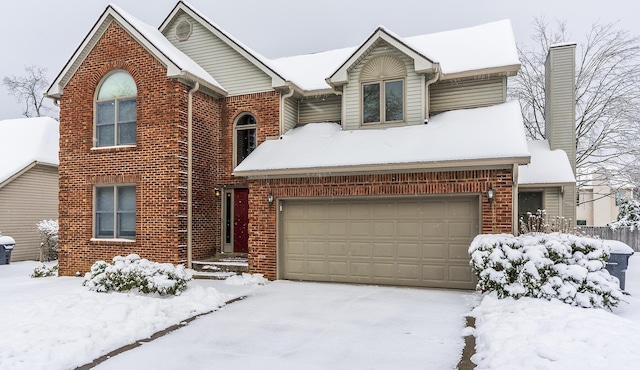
pixel 237 128
pixel 95 221
pixel 381 83
pixel 95 113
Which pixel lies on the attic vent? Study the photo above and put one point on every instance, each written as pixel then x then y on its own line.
pixel 183 30
pixel 383 67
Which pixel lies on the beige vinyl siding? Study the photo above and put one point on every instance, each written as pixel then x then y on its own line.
pixel 25 201
pixel 551 197
pixel 414 92
pixel 234 72
pixel 326 108
pixel 290 113
pixel 560 112
pixel 448 95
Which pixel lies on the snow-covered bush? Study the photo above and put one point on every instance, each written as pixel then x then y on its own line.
pixel 561 266
pixel 44 271
pixel 48 230
pixel 133 273
pixel 628 215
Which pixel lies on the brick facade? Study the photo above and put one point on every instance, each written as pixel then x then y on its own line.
pixel 156 164
pixel 496 217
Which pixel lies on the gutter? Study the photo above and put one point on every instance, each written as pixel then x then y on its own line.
pixel 190 173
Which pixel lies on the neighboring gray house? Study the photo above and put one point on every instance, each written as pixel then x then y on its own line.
pixel 28 181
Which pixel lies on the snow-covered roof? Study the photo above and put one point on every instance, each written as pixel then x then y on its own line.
pixel 485 135
pixel 547 166
pixel 178 64
pixel 482 47
pixel 25 141
pixel 167 48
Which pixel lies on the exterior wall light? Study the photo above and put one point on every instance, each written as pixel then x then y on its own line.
pixel 270 198
pixel 216 192
pixel 491 195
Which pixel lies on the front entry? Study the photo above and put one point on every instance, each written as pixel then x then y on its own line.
pixel 236 222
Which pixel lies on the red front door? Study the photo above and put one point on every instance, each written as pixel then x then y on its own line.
pixel 241 221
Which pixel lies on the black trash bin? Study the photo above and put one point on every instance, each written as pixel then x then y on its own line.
pixel 618 260
pixel 6 246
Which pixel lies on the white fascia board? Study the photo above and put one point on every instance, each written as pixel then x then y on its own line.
pixel 277 81
pixel 421 63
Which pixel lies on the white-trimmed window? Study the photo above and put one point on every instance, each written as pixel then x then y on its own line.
pixel 115 211
pixel 383 90
pixel 245 137
pixel 115 118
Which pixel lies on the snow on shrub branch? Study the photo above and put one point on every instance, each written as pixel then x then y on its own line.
pixel 133 273
pixel 561 266
pixel 628 215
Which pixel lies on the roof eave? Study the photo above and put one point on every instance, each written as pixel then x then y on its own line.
pixel 507 71
pixel 25 169
pixel 506 162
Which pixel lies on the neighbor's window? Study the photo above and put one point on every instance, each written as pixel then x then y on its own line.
pixel 245 137
pixel 115 211
pixel 383 80
pixel 116 111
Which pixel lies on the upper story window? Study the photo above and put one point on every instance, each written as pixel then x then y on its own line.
pixel 245 136
pixel 116 110
pixel 383 90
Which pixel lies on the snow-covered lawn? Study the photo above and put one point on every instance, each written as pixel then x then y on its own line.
pixel 56 323
pixel 538 334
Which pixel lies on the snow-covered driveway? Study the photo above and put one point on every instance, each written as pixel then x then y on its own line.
pixel 292 325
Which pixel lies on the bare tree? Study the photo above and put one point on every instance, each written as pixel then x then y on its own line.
pixel 29 90
pixel 607 96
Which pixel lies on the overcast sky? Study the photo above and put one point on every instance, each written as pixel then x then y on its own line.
pixel 45 33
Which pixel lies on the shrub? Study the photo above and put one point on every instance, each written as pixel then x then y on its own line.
pixel 561 266
pixel 628 215
pixel 44 271
pixel 48 230
pixel 133 273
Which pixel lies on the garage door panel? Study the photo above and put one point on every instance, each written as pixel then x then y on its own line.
pixel 434 229
pixel 409 250
pixel 459 252
pixel 434 273
pixel 415 241
pixel 384 270
pixel 384 250
pixel 337 249
pixel 318 248
pixel 407 229
pixel 437 251
pixel 461 230
pixel 384 229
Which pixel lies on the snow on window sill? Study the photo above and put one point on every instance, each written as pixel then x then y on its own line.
pixel 113 147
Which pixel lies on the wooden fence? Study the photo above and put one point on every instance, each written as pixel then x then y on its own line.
pixel 625 235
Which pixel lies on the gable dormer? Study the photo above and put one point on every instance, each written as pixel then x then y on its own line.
pixel 383 83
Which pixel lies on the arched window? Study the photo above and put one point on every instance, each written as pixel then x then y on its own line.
pixel 383 90
pixel 245 137
pixel 116 110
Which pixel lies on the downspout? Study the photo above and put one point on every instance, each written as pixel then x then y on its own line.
pixel 427 97
pixel 514 203
pixel 190 172
pixel 282 108
pixel 56 102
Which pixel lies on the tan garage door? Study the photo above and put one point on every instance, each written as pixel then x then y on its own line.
pixel 414 241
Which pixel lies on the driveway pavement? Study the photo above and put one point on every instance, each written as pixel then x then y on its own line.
pixel 294 325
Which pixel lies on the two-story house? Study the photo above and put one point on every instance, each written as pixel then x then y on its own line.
pixel 372 164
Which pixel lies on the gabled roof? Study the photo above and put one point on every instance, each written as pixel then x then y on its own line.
pixel 490 136
pixel 421 61
pixel 178 64
pixel 25 142
pixel 277 80
pixel 547 167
